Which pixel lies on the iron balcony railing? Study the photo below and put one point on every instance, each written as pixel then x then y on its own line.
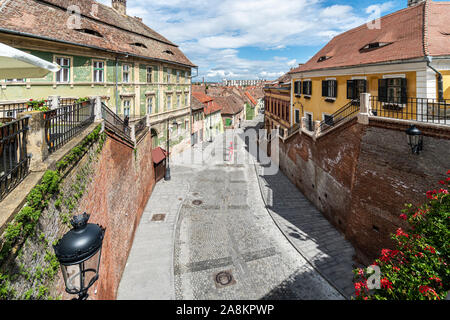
pixel 9 111
pixel 63 123
pixel 14 159
pixel 349 111
pixel 418 109
pixel 295 128
pixel 115 124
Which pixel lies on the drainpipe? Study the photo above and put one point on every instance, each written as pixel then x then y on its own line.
pixel 117 85
pixel 440 79
pixel 190 106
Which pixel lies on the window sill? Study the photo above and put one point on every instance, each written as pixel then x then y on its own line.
pixel 307 96
pixel 327 99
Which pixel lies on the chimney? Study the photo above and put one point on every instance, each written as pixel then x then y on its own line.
pixel 120 6
pixel 414 2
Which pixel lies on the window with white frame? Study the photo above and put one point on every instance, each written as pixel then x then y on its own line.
pixel 149 74
pixel 149 105
pixel 169 75
pixel 15 80
pixel 309 121
pixel 126 107
pixel 179 101
pixel 186 96
pixel 329 88
pixel 63 75
pixel 126 73
pixel 99 71
pixel 169 102
pixel 328 119
pixel 178 76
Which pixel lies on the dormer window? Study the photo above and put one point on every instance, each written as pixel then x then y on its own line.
pixel 323 58
pixel 168 52
pixel 90 32
pixel 374 45
pixel 138 44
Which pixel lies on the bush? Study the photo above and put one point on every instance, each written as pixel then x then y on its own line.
pixel 418 268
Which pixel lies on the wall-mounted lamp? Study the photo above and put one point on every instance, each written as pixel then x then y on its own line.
pixel 415 139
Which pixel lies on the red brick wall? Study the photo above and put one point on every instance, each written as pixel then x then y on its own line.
pixel 116 200
pixel 361 176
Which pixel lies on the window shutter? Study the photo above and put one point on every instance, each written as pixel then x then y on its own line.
pixel 305 87
pixel 335 83
pixel 382 90
pixel 365 86
pixel 350 89
pixel 299 87
pixel 404 91
pixel 324 88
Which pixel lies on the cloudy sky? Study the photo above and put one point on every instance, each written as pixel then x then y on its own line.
pixel 253 39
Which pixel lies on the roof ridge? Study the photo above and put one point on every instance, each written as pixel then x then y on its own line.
pixel 92 18
pixel 383 17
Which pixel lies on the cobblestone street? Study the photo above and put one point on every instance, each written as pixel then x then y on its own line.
pixel 216 222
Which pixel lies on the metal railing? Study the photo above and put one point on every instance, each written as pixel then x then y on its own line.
pixel 9 111
pixel 14 160
pixel 115 124
pixel 349 111
pixel 293 129
pixel 63 123
pixel 139 126
pixel 418 109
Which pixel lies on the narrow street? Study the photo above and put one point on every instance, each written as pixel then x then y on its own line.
pixel 217 239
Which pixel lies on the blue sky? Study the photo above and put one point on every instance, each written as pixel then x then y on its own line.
pixel 253 39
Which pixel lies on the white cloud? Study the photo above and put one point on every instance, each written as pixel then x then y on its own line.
pixel 211 32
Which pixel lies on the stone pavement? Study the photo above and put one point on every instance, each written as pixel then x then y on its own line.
pixel 224 227
pixel 148 274
pixel 217 221
pixel 308 230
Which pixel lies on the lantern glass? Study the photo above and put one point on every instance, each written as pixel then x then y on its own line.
pixel 81 276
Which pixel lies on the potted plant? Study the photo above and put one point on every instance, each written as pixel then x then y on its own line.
pixel 83 101
pixel 37 105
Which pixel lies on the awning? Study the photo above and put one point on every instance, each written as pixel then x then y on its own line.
pixel 158 155
pixel 16 64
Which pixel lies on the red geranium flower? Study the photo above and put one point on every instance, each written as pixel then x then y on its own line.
pixel 385 283
pixel 403 216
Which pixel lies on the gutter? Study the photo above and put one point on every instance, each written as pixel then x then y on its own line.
pixel 429 59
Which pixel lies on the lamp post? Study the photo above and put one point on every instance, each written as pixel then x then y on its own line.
pixel 167 175
pixel 415 139
pixel 79 253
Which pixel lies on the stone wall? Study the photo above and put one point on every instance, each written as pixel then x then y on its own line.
pixel 360 176
pixel 116 199
pixel 112 182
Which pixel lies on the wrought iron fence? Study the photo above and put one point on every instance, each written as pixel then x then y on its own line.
pixel 9 111
pixel 139 126
pixel 14 160
pixel 418 109
pixel 293 129
pixel 349 111
pixel 63 123
pixel 115 124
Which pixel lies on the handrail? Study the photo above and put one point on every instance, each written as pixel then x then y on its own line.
pixel 115 124
pixel 350 110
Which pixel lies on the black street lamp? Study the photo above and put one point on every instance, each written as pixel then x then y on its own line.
pixel 167 174
pixel 79 253
pixel 415 139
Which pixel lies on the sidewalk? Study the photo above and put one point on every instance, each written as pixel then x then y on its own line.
pixel 149 275
pixel 308 230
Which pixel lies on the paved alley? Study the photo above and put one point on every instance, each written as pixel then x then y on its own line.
pixel 218 240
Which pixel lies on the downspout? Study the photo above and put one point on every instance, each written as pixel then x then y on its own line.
pixel 440 79
pixel 190 106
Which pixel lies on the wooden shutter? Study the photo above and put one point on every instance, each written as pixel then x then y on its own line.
pixel 305 87
pixel 324 88
pixel 335 83
pixel 382 90
pixel 404 91
pixel 351 89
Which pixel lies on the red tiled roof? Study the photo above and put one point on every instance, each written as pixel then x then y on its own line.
pixel 202 97
pixel 212 107
pixel 229 104
pixel 48 19
pixel 404 30
pixel 158 155
pixel 251 98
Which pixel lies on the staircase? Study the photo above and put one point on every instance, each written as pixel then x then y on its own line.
pixel 347 112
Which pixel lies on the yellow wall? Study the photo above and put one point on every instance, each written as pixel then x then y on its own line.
pixel 317 104
pixel 446 78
